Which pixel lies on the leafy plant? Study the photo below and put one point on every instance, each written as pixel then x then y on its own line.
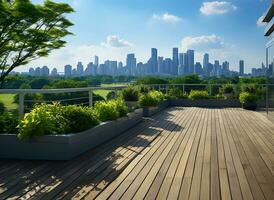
pixel 79 118
pixel 251 88
pixel 176 93
pixel 2 108
pixel 111 95
pixel 153 98
pixel 198 94
pixel 130 94
pixel 227 89
pixel 247 97
pixel 121 107
pixel 106 111
pixel 8 123
pixel 43 120
pixel 143 89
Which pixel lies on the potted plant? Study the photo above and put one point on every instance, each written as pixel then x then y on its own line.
pixel 152 103
pixel 248 100
pixel 227 91
pixel 131 96
pixel 198 95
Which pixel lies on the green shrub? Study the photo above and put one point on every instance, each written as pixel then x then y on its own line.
pixel 8 123
pixel 143 89
pixel 176 93
pixel 106 111
pixel 130 94
pixel 247 97
pixel 2 108
pixel 79 118
pixel 121 107
pixel 111 95
pixel 227 89
pixel 251 88
pixel 43 120
pixel 153 98
pixel 198 94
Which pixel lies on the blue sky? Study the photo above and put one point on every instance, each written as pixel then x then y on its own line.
pixel 227 29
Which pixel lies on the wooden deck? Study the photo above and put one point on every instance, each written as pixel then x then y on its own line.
pixel 181 153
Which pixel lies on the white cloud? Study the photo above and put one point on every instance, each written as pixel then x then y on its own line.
pixel 115 41
pixel 166 17
pixel 217 7
pixel 202 43
pixel 260 21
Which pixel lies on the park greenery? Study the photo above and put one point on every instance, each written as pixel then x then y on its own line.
pixel 29 31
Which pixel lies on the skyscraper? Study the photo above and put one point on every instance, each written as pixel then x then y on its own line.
pixel 80 69
pixel 161 65
pixel 153 61
pixel 67 70
pixel 31 72
pixel 167 66
pixel 216 69
pixel 181 64
pixel 175 61
pixel 205 63
pixel 96 61
pixel 131 64
pixel 54 72
pixel 190 61
pixel 241 68
pixel 45 71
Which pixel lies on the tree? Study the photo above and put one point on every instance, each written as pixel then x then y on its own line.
pixel 29 31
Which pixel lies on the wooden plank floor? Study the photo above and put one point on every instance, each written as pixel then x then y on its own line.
pixel 181 153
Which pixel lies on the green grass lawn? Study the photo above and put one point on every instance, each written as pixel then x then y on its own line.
pixel 7 99
pixel 104 93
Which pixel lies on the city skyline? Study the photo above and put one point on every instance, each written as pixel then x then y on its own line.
pixel 181 64
pixel 112 29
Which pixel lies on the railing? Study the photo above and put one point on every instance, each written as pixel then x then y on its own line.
pixel 89 91
pixel 85 95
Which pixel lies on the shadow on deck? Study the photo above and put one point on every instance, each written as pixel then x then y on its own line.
pixel 178 153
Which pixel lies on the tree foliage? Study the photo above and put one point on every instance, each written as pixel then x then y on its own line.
pixel 29 31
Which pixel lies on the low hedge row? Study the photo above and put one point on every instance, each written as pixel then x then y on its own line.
pixel 57 119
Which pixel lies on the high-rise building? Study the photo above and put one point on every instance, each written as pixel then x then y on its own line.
pixel 216 68
pixel 185 64
pixel 91 69
pixel 225 68
pixel 131 64
pixel 205 64
pixel 153 61
pixel 96 61
pixel 190 62
pixel 31 72
pixel 80 69
pixel 241 68
pixel 167 65
pixel 181 64
pixel 54 72
pixel 175 61
pixel 37 71
pixel 67 70
pixel 198 68
pixel 161 65
pixel 45 71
